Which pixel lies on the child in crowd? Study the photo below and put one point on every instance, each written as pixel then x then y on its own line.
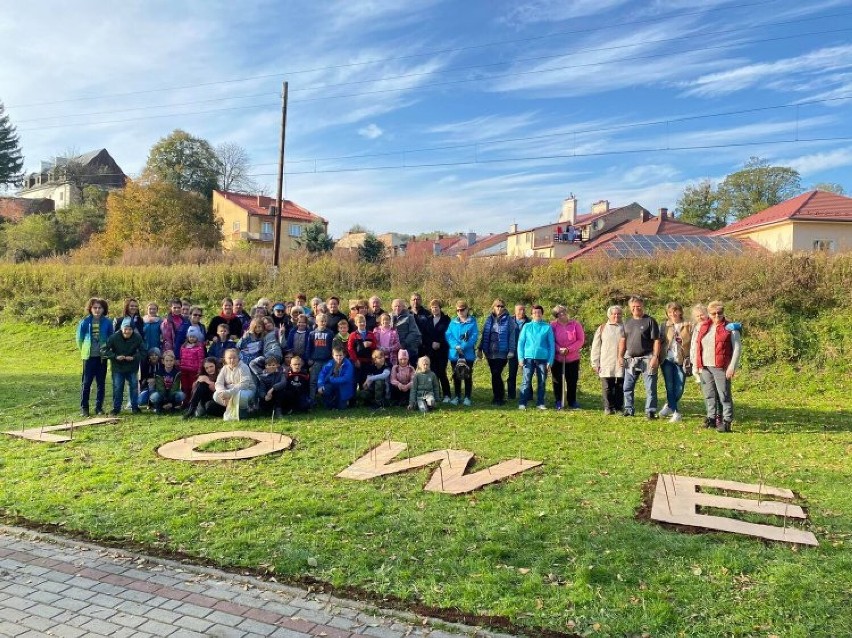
pixel 387 339
pixel 425 389
pixel 195 314
pixel 271 383
pixel 222 342
pixel 174 327
pixel 297 392
pixel 374 391
pixel 295 312
pixel 124 350
pixel 202 391
pixel 148 372
pixel 336 383
pixel 234 383
pixel 401 378
pixel 251 345
pixel 167 393
pixel 360 346
pixel 320 342
pixel 297 340
pixel 191 357
pixel 151 327
pixel 93 331
pixel 342 337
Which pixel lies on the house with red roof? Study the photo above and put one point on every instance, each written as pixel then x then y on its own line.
pixel 251 218
pixel 815 220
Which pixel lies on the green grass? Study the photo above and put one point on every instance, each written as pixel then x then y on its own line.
pixel 557 547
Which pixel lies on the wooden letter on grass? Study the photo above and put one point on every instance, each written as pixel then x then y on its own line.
pixel 676 499
pixel 450 476
pixel 184 449
pixel 44 433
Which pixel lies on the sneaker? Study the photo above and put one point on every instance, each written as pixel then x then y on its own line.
pixel 135 411
pixel 200 411
pixel 84 413
pixel 277 413
pixel 542 407
pixel 627 413
pixel 709 422
pixel 724 427
pixel 559 405
pixel 447 400
pixel 467 403
pixel 98 412
pixel 114 412
pixel 575 406
pixel 608 411
pixel 666 411
pixel 522 407
pixel 651 415
pixel 454 401
pixel 676 417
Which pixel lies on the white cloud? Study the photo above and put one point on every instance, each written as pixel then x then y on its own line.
pixel 371 131
pixel 816 162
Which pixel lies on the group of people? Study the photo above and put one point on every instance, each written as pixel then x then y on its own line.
pixel 286 357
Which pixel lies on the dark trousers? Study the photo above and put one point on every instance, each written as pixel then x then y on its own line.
pixel 277 401
pixel 201 394
pixel 498 388
pixel 94 369
pixel 572 375
pixel 295 399
pixel 438 365
pixel 613 394
pixel 512 380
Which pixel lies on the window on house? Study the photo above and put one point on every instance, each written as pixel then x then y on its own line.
pixel 295 230
pixel 236 227
pixel 826 245
pixel 266 228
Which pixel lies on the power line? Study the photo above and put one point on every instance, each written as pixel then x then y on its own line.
pixel 450 82
pixel 403 57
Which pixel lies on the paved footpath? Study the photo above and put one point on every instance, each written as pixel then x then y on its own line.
pixel 51 586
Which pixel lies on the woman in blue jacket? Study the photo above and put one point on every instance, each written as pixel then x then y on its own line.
pixel 498 346
pixel 536 349
pixel 92 333
pixel 336 383
pixel 461 338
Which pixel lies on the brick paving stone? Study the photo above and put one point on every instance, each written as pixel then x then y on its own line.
pixel 186 633
pixel 254 627
pixel 11 629
pixel 289 633
pixel 193 624
pixel 66 631
pixel 157 628
pixel 330 632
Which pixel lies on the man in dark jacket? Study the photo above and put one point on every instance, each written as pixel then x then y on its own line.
pixel 125 350
pixel 421 317
pixel 406 327
pixel 334 314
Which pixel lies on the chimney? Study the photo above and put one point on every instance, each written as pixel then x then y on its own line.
pixel 471 239
pixel 260 201
pixel 644 215
pixel 513 228
pixel 600 206
pixel 664 213
pixel 569 210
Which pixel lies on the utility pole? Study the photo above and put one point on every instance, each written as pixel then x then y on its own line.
pixel 276 243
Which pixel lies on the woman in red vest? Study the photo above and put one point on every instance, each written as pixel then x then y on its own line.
pixel 717 359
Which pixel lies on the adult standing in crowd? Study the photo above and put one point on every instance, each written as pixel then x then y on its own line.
pixel 174 327
pixel 241 314
pixel 520 320
pixel 536 350
pixel 570 338
pixel 606 362
pixel 421 317
pixel 406 327
pixel 640 351
pixel 498 345
pixel 226 316
pixel 131 311
pixel 675 340
pixel 280 318
pixel 435 344
pixel 334 314
pixel 461 339
pixel 373 312
pixel 717 358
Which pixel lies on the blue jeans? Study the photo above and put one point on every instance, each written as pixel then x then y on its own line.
pixel 630 378
pixel 118 381
pixel 675 380
pixel 94 370
pixel 539 366
pixel 157 400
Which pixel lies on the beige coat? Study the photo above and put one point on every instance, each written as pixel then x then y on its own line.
pixel 605 350
pixel 667 335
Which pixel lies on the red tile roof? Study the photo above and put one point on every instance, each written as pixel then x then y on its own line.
pixel 484 244
pixel 813 205
pixel 259 205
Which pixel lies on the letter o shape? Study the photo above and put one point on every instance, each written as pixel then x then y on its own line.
pixel 184 449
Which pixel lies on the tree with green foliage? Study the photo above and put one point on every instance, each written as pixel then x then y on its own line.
pixel 316 240
pixel 11 160
pixel 187 162
pixel 755 188
pixel 34 236
pixel 829 187
pixel 372 251
pixel 699 205
pixel 158 213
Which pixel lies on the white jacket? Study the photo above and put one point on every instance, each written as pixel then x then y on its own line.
pixel 605 350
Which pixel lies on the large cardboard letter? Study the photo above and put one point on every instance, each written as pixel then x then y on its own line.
pixel 450 476
pixel 676 498
pixel 44 433
pixel 184 449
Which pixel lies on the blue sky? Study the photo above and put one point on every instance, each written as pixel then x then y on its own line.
pixel 469 115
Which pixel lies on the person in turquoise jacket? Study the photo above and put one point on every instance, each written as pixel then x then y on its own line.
pixel 536 349
pixel 461 337
pixel 92 333
pixel 336 383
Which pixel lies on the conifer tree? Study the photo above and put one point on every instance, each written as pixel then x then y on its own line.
pixel 11 160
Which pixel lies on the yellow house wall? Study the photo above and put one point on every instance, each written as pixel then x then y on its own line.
pixel 800 235
pixel 230 213
pixel 774 238
pixel 518 244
